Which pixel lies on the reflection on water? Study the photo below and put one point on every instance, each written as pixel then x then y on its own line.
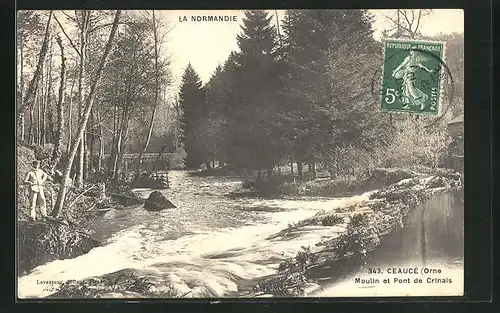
pixel 209 245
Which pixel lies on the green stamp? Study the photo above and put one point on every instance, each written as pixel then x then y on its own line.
pixel 411 76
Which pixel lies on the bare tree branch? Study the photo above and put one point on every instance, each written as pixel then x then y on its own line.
pixel 69 16
pixel 83 121
pixel 65 34
pixel 418 19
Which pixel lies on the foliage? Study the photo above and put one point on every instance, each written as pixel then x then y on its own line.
pixel 323 99
pixel 192 103
pixel 42 242
pixel 77 290
pixel 416 145
pixel 122 282
pixel 299 94
pixel 453 103
pixel 331 220
pixel 292 275
pixel 252 137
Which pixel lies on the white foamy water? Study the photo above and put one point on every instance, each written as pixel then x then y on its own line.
pixel 206 247
pixel 212 245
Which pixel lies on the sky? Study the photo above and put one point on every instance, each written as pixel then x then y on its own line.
pixel 207 44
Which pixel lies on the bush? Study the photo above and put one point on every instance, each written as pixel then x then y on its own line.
pixel 176 161
pixel 122 281
pixel 332 220
pixel 41 152
pixel 42 242
pixel 359 238
pixel 78 290
pixel 292 275
pixel 414 145
pixel 408 145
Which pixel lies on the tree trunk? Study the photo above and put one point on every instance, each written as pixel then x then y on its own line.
pixel 38 116
pixel 101 145
pixel 21 87
pixel 43 99
pixel 70 117
pixel 208 165
pixel 48 100
pixel 155 103
pixel 123 139
pixel 81 78
pixel 112 154
pixel 56 156
pixel 299 169
pixel 89 102
pixel 86 155
pixel 291 165
pixel 332 173
pixel 22 125
pixel 80 163
pixel 312 169
pixel 29 98
pixel 31 140
pixel 91 141
pixel 118 144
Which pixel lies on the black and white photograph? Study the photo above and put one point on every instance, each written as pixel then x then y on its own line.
pixel 166 154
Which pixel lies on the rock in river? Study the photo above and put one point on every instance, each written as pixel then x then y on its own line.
pixel 157 202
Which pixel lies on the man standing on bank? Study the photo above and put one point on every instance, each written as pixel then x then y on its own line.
pixel 35 179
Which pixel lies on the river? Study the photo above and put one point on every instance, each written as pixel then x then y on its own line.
pixel 209 246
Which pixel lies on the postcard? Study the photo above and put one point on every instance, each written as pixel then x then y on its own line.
pixel 240 153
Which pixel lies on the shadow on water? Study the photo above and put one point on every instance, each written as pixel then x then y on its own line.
pixel 433 231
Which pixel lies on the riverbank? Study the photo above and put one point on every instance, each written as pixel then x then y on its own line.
pixel 213 245
pixel 337 187
pixel 357 232
pixel 68 236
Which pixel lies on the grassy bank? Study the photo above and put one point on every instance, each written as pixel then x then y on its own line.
pixel 286 185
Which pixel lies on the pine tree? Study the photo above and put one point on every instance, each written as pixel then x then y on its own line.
pixel 353 111
pixel 192 103
pixel 308 40
pixel 253 95
pixel 220 93
pixel 324 52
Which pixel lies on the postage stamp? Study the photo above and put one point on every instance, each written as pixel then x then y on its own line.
pixel 411 76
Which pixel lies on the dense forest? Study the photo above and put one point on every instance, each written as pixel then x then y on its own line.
pixel 299 93
pixel 305 92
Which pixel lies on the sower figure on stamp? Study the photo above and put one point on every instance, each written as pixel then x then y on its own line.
pixel 411 95
pixel 36 178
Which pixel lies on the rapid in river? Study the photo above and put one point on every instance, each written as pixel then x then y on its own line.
pixel 209 246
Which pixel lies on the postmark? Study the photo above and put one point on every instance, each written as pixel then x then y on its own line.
pixel 412 76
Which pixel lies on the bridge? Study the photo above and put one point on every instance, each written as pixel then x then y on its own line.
pixel 150 161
